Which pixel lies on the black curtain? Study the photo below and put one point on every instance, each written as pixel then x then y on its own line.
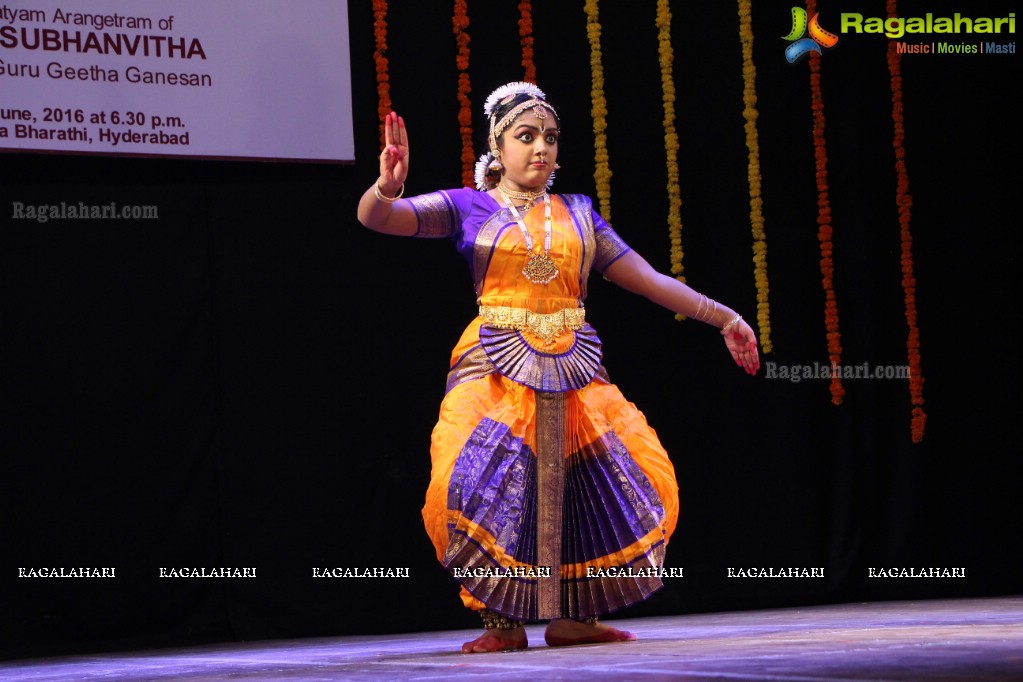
pixel 250 379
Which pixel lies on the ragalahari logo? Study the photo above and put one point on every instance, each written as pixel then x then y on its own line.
pixel 802 46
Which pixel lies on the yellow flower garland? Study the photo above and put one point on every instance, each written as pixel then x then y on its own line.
pixel 602 172
pixel 749 112
pixel 666 57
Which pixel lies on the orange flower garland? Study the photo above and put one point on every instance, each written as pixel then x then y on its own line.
pixel 526 38
pixel 383 79
pixel 460 22
pixel 602 172
pixel 905 201
pixel 824 223
pixel 756 202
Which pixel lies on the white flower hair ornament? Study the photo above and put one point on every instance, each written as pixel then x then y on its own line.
pixel 482 171
pixel 510 90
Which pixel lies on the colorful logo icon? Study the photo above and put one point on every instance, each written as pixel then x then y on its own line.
pixel 802 46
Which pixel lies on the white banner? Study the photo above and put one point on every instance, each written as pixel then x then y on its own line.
pixel 200 78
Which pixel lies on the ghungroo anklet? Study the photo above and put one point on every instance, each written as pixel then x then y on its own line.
pixel 495 621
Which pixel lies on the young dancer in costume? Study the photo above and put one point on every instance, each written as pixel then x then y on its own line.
pixel 551 499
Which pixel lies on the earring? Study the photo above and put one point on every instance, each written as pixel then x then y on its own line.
pixel 494 171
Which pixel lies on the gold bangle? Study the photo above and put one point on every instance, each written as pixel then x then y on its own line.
pixel 730 323
pixel 707 310
pixel 387 200
pixel 699 309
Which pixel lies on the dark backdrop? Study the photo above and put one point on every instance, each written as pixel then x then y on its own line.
pixel 251 379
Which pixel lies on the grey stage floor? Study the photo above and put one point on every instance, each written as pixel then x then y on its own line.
pixel 965 639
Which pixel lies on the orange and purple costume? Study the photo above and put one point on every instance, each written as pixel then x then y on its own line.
pixel 550 495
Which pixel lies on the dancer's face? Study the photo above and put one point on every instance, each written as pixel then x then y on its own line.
pixel 529 151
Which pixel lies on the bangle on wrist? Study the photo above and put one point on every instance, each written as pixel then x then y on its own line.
pixel 386 199
pixel 731 323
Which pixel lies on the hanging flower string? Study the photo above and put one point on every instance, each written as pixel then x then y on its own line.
pixel 526 38
pixel 824 230
pixel 602 171
pixel 756 202
pixel 460 24
pixel 666 57
pixel 904 201
pixel 380 49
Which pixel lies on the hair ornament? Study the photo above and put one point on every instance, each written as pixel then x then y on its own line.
pixel 510 90
pixel 482 168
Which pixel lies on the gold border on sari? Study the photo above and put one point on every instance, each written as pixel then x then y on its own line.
pixel 435 213
pixel 580 210
pixel 550 446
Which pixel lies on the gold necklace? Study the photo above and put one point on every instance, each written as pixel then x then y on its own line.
pixel 528 198
pixel 540 268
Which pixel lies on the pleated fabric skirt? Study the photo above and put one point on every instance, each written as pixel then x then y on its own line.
pixel 547 504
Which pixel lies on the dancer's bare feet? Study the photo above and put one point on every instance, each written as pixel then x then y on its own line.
pixel 568 632
pixel 497 640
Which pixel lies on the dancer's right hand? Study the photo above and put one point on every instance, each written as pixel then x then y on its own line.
pixel 394 157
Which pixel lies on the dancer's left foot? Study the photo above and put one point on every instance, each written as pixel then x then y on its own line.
pixel 568 632
pixel 497 640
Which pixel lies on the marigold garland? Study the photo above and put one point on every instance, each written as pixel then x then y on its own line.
pixel 602 172
pixel 824 230
pixel 666 57
pixel 526 38
pixel 460 24
pixel 756 203
pixel 904 201
pixel 380 49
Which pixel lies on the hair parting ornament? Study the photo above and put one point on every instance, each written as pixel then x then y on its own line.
pixel 488 166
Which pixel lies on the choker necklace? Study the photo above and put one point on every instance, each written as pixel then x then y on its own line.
pixel 540 269
pixel 528 198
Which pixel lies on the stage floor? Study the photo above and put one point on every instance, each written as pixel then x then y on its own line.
pixel 979 640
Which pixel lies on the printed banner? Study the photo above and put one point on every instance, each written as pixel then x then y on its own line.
pixel 226 79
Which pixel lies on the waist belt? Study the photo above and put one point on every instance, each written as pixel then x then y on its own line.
pixel 546 326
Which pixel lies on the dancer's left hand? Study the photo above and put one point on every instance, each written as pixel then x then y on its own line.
pixel 741 342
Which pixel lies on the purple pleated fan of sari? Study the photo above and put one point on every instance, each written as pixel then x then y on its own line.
pixel 547 372
pixel 610 510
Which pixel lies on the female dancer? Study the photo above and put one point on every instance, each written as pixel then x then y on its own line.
pixel 550 496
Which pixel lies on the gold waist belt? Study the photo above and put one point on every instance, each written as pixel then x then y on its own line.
pixel 547 326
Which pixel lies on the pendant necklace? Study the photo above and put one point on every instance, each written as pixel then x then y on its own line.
pixel 540 268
